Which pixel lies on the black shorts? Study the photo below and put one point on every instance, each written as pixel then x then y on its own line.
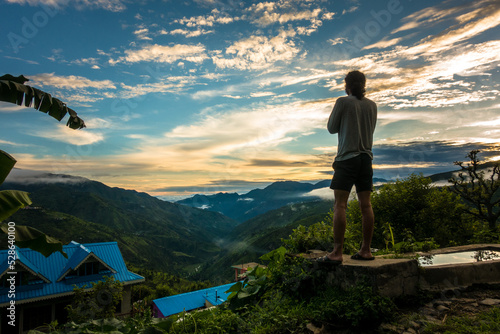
pixel 356 171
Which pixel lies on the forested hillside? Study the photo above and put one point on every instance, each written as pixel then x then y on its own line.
pixel 260 235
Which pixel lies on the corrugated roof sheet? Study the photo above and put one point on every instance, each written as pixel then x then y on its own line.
pixel 52 266
pixel 29 266
pixel 80 255
pixel 192 300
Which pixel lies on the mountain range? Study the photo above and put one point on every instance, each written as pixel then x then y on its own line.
pixel 259 201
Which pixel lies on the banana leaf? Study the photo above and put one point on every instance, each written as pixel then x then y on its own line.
pixel 7 162
pixel 11 201
pixel 29 237
pixel 26 236
pixel 13 90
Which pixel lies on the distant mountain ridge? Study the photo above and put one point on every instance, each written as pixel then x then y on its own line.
pixel 154 233
pixel 259 201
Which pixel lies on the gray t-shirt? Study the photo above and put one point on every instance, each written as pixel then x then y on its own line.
pixel 354 120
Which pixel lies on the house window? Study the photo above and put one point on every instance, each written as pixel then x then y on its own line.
pixel 88 268
pixel 22 277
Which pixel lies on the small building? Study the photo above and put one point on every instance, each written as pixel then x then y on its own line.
pixel 41 287
pixel 241 269
pixel 199 299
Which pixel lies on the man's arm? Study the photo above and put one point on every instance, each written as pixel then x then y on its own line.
pixel 334 120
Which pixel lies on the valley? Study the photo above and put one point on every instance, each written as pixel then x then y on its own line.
pixel 197 238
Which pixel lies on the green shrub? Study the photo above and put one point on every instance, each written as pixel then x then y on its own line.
pixel 320 236
pixel 97 303
pixel 484 235
pixel 414 204
pixel 316 236
pixel 358 306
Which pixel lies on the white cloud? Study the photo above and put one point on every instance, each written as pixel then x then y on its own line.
pixel 70 82
pixel 147 88
pixel 338 40
pixel 383 43
pixel 34 177
pixel 261 94
pixel 164 54
pixel 325 148
pixel 110 5
pixel 267 17
pixel 490 123
pixel 433 83
pixel 216 17
pixel 350 10
pixel 9 107
pixel 93 62
pixel 32 62
pixel 236 97
pixel 227 133
pixel 265 14
pixel 485 19
pixel 430 16
pixel 168 84
pixel 191 33
pixel 6 142
pixel 323 193
pixel 258 52
pixel 142 33
pixel 64 134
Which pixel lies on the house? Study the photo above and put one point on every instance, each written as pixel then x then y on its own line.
pixel 167 306
pixel 35 290
pixel 241 269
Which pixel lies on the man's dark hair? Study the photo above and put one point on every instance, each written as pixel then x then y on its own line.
pixel 355 81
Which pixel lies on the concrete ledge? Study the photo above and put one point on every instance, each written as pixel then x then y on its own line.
pixel 459 275
pixel 452 276
pixel 389 277
pixel 400 277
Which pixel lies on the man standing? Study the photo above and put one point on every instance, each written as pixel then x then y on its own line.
pixel 354 118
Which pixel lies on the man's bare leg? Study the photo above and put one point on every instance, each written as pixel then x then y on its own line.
pixel 367 221
pixel 339 224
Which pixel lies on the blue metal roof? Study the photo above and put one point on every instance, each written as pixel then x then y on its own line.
pixel 29 266
pixel 51 268
pixel 81 254
pixel 192 300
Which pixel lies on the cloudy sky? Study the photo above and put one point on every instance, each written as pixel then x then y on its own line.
pixel 201 96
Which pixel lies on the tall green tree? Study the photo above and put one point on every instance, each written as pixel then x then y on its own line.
pixel 479 184
pixel 14 90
